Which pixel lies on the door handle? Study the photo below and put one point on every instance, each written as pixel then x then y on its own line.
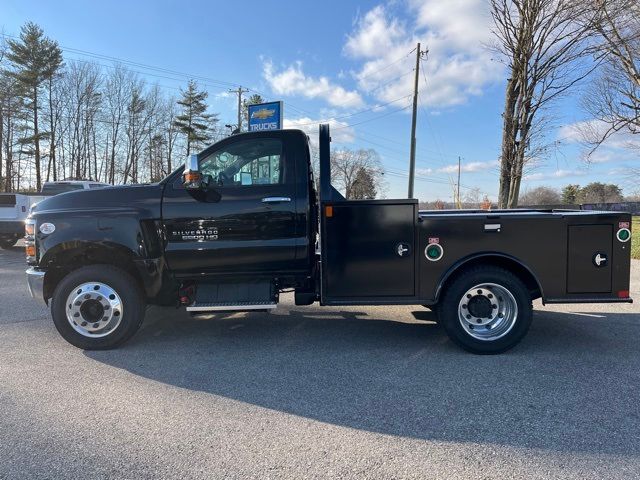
pixel 275 199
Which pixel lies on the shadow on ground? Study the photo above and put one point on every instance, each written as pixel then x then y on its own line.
pixel 571 385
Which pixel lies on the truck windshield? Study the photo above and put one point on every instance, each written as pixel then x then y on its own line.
pixel 56 188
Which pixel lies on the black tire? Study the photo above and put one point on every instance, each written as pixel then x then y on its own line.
pixel 8 242
pixel 452 300
pixel 123 284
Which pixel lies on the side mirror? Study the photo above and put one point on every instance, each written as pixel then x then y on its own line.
pixel 192 179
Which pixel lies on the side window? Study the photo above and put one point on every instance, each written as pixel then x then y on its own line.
pixel 249 162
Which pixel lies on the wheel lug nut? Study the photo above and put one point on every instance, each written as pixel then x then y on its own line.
pixel 490 296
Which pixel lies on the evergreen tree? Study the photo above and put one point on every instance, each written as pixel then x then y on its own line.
pixel 364 185
pixel 193 121
pixel 597 192
pixel 35 59
pixel 570 194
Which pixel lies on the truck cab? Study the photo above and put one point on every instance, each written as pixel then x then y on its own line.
pixel 244 220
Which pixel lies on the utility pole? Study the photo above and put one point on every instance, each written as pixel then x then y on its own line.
pixel 239 92
pixel 412 157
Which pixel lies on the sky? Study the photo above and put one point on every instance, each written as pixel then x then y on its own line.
pixel 346 63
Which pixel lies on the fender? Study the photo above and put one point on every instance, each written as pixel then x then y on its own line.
pixel 501 259
pixel 115 236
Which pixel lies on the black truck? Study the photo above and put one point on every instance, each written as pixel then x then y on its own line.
pixel 243 221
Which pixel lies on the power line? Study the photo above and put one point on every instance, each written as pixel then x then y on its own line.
pixel 139 64
pixel 372 119
pixel 341 117
pixel 382 69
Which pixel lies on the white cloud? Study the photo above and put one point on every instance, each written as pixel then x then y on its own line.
pixel 471 167
pixel 557 174
pixel 341 132
pixel 293 81
pixel 374 34
pixel 593 130
pixel 458 64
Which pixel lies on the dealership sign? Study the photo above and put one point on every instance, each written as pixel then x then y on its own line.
pixel 265 116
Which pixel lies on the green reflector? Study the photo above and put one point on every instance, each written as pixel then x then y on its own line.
pixel 623 234
pixel 433 251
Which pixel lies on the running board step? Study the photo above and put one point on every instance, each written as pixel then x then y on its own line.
pixel 229 306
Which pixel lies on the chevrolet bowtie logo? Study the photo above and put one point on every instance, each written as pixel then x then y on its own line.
pixel 263 113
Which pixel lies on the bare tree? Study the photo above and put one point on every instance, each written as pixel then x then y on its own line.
pixel 614 97
pixel 541 196
pixel 347 166
pixel 116 93
pixel 82 90
pixel 542 43
pixel 473 198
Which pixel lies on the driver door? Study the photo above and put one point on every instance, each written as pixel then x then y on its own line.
pixel 245 221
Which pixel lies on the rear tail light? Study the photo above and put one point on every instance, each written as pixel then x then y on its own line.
pixel 623 294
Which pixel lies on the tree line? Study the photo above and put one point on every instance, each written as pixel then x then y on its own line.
pixel 574 194
pixel 75 119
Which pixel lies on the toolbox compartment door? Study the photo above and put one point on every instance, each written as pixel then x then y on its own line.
pixel 369 250
pixel 589 245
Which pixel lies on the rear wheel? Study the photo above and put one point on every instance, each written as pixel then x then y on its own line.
pixel 97 307
pixel 486 310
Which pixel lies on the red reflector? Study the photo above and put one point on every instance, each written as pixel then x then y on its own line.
pixel 623 294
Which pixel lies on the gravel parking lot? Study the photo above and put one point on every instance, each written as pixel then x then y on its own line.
pixel 310 392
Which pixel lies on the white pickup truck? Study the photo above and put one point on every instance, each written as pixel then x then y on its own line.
pixel 14 207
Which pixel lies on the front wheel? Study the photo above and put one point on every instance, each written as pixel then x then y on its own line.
pixel 487 310
pixel 97 307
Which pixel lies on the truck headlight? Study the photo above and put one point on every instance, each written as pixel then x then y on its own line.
pixel 30 241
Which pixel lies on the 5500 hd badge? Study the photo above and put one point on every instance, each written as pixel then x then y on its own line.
pixel 199 234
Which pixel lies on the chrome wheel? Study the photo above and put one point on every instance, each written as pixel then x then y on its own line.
pixel 487 311
pixel 94 309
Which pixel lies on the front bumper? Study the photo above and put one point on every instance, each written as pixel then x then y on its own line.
pixel 35 280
